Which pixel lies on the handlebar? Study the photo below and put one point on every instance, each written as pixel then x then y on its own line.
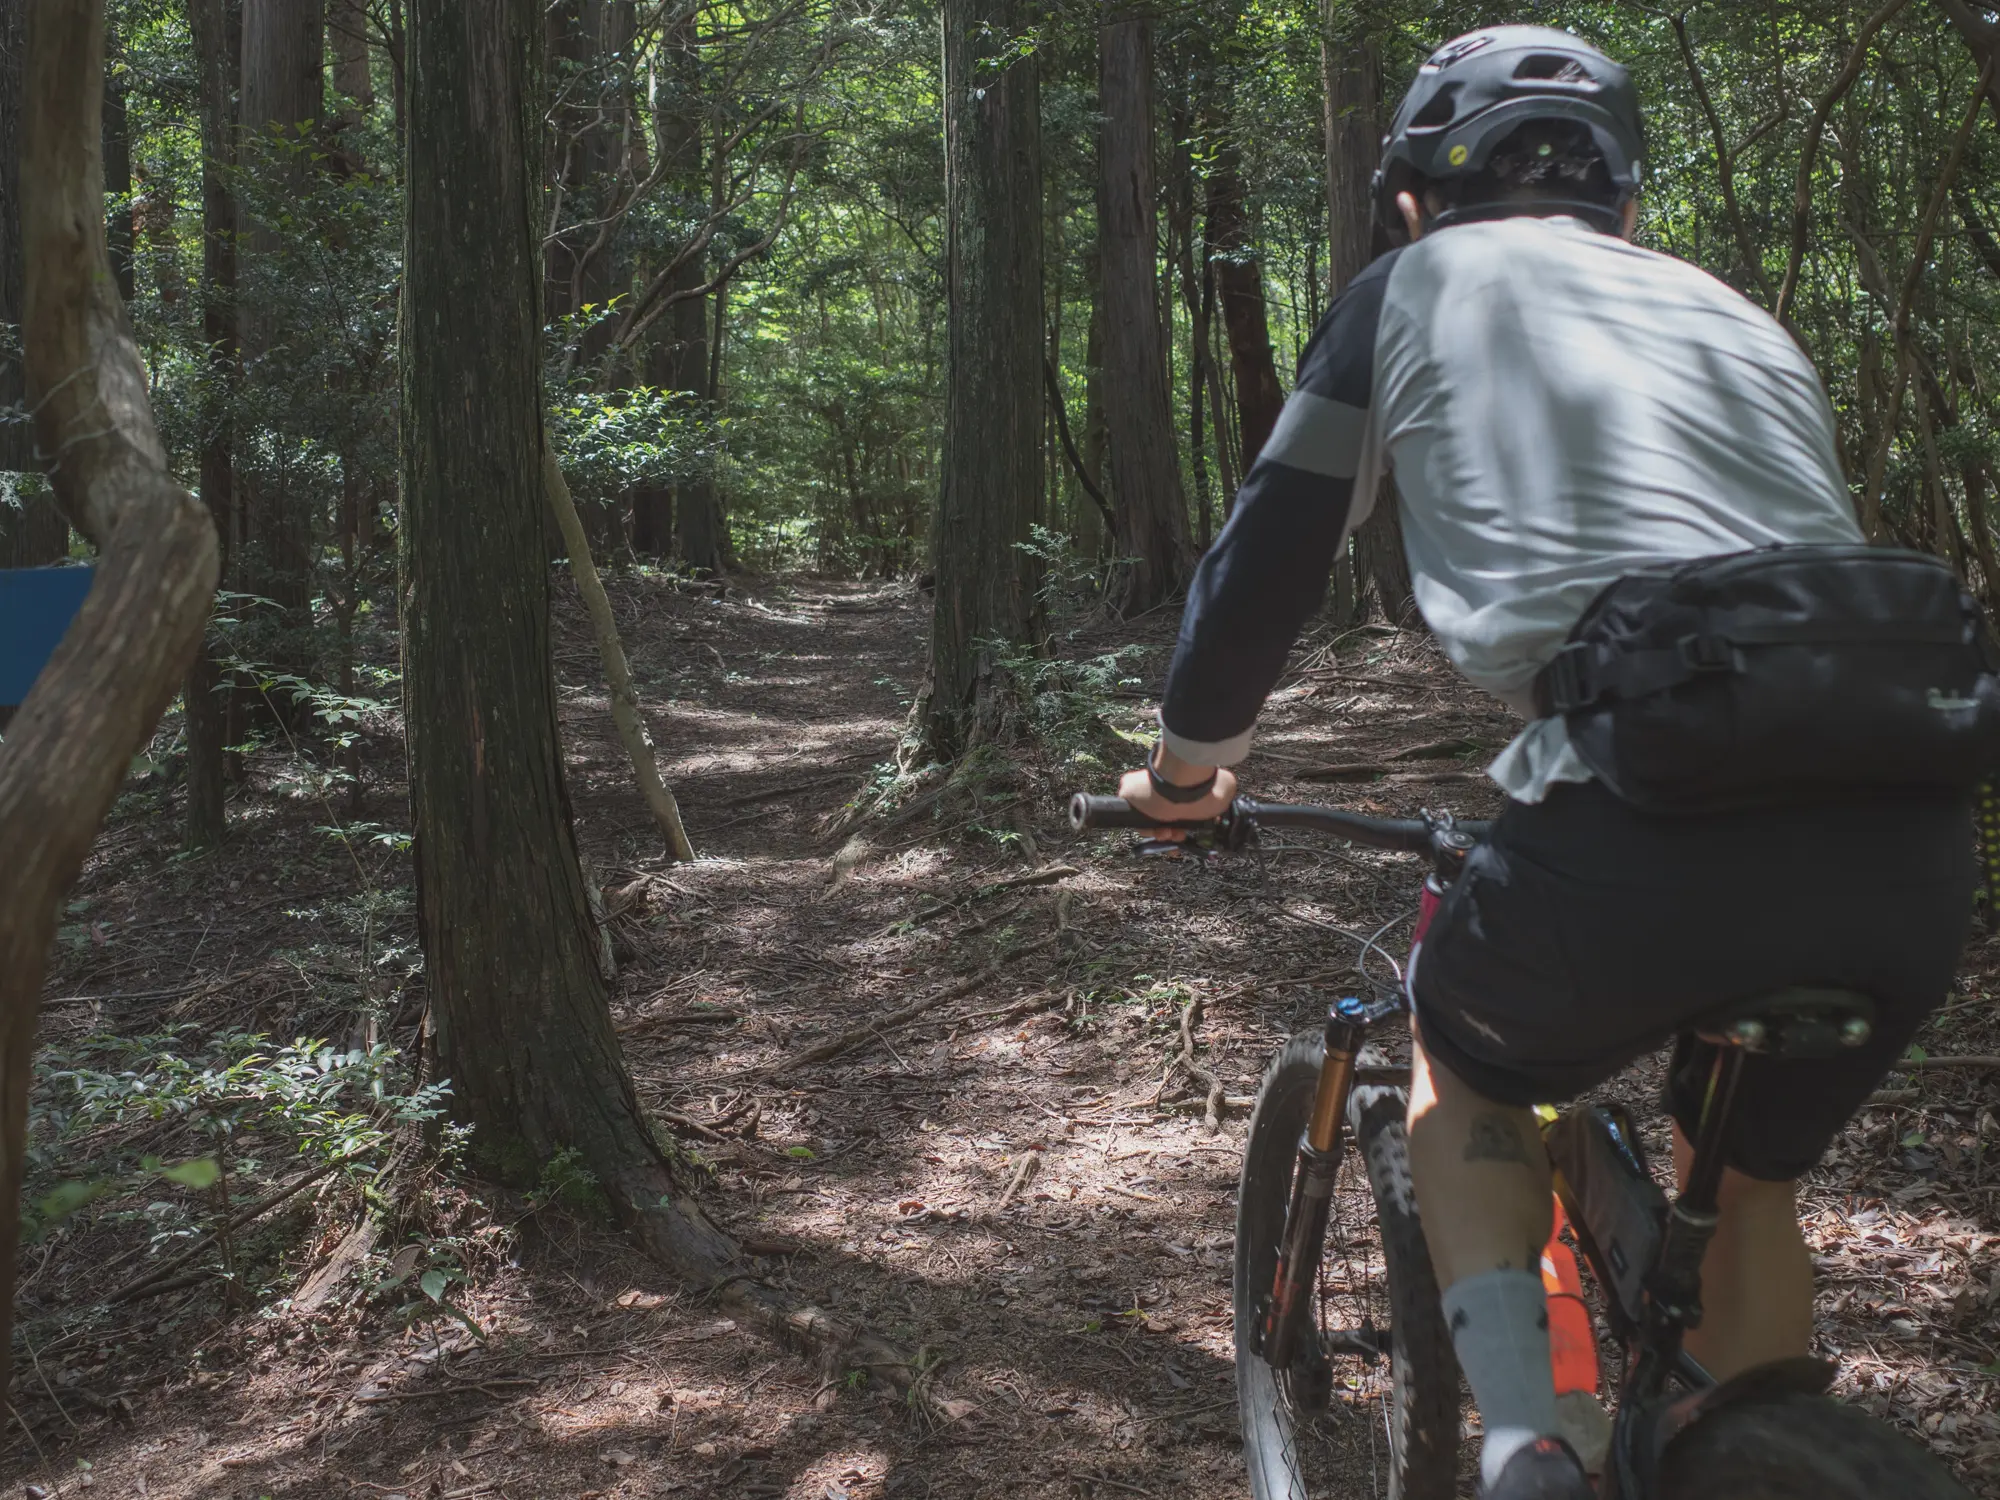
pixel 1236 826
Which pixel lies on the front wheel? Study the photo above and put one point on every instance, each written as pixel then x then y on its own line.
pixel 1370 1407
pixel 1798 1447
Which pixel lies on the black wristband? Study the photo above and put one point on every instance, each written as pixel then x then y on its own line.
pixel 1167 791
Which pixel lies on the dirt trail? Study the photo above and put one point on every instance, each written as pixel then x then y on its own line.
pixel 1005 1182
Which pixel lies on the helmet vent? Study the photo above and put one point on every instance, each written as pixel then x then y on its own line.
pixel 1439 111
pixel 1553 67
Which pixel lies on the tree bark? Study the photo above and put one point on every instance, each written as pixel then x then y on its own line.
pixel 282 93
pixel 32 530
pixel 1239 282
pixel 101 694
pixel 216 26
pixel 993 374
pixel 117 171
pixel 1145 466
pixel 523 1020
pixel 347 39
pixel 1351 68
pixel 1094 526
pixel 1351 71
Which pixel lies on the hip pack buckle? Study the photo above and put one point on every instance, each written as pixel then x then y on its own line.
pixel 1565 681
pixel 1709 653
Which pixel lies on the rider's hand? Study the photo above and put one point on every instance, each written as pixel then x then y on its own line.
pixel 1137 789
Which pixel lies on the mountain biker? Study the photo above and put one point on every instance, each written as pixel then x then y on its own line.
pixel 1561 408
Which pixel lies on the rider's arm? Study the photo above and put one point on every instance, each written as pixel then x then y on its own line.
pixel 1267 573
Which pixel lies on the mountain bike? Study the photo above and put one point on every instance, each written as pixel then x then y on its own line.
pixel 1346 1380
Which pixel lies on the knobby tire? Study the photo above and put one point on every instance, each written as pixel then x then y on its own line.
pixel 1422 1397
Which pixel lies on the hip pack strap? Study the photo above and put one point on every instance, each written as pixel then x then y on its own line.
pixel 1582 672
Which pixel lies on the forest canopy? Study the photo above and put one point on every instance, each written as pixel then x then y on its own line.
pixel 744 286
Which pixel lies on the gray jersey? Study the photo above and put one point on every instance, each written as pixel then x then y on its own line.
pixel 1558 408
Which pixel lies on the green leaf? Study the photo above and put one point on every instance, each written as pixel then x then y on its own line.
pixel 434 1283
pixel 202 1172
pixel 1916 1054
pixel 67 1199
pixel 799 1153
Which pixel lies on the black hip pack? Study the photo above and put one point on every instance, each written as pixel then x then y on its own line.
pixel 1787 674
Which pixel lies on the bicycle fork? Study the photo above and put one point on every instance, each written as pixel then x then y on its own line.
pixel 1312 1186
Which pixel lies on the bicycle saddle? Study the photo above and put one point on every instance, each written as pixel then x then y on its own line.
pixel 1799 1022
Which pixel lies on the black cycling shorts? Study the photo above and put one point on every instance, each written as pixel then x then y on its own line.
pixel 1584 933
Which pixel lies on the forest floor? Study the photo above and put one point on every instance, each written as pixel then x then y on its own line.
pixel 1003 1181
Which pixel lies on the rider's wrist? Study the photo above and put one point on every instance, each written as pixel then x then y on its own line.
pixel 1174 780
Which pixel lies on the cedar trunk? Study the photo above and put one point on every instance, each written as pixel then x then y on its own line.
pixel 216 26
pixel 1239 284
pixel 1145 468
pixel 347 39
pixel 32 529
pixel 282 94
pixel 993 372
pixel 1351 68
pixel 523 1022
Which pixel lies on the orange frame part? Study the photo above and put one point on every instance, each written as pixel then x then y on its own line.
pixel 1572 1341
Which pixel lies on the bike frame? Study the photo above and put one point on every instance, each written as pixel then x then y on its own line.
pixel 1800 1023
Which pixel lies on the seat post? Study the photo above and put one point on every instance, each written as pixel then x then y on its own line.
pixel 1674 1289
pixel 1703 1187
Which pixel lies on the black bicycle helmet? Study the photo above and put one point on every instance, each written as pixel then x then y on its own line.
pixel 1477 90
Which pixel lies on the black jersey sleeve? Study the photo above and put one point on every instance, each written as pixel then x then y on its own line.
pixel 1267 573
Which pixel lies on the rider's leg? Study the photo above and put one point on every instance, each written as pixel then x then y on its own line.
pixel 1756 1279
pixel 1482 1184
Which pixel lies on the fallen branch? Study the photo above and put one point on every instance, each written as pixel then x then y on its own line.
pixel 236 1220
pixel 1974 1061
pixel 1023 1175
pixel 687 1125
pixel 1048 875
pixel 1353 770
pixel 1012 1012
pixel 871 1030
pixel 751 799
pixel 617 672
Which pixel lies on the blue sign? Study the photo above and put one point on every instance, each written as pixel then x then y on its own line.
pixel 36 606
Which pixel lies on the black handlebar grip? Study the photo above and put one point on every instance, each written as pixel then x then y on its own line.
pixel 1086 811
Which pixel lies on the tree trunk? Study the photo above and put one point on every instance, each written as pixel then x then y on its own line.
pixel 347 39
pixel 216 26
pixel 1093 537
pixel 1196 300
pixel 32 530
pixel 1352 72
pixel 588 41
pixel 282 93
pixel 1239 284
pixel 993 373
pixel 1145 467
pixel 117 129
pixel 523 1021
pixel 101 694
